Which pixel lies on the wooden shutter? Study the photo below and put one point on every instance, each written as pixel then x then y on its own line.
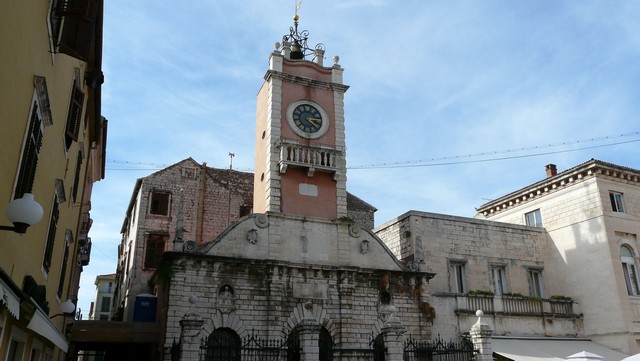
pixel 78 26
pixel 51 237
pixel 30 155
pixel 74 116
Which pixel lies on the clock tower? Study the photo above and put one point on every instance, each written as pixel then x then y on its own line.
pixel 300 166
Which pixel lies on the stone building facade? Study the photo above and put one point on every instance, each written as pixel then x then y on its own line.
pixel 266 276
pixel 185 202
pixel 483 265
pixel 198 201
pixel 302 272
pixel 591 213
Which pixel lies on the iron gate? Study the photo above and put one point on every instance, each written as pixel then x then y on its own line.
pixel 438 350
pixel 221 348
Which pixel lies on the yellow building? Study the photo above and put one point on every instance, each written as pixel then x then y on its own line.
pixel 53 140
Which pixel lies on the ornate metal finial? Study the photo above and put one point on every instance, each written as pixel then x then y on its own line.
pixel 297 40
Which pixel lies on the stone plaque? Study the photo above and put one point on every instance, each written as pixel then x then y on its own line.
pixel 316 290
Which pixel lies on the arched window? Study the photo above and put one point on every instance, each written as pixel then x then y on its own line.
pixel 223 345
pixel 629 269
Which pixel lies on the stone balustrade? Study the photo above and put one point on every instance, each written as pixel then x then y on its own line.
pixel 311 157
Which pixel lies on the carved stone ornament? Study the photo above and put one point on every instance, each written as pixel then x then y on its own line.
pixel 226 301
pixel 261 220
pixel 354 230
pixel 364 247
pixel 413 266
pixel 252 236
pixel 189 246
pixel 386 313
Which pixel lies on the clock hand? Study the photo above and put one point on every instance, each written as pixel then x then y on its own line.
pixel 313 120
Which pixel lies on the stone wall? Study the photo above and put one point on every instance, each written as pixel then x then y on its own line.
pixel 432 242
pixel 270 299
pixel 204 200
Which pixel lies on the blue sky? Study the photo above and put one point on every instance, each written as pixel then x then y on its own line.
pixel 452 103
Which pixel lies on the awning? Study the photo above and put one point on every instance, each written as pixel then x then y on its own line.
pixel 10 300
pixel 41 324
pixel 549 349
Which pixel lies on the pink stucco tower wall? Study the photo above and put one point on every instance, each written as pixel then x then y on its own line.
pixel 289 178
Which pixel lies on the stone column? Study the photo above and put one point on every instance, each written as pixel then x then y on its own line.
pixel 309 333
pixel 481 338
pixel 393 342
pixel 191 325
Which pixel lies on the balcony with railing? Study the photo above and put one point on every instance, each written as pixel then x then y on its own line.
pixel 320 158
pixel 516 305
pixel 84 251
pixel 515 315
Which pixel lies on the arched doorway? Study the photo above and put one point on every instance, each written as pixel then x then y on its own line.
pixel 325 345
pixel 223 345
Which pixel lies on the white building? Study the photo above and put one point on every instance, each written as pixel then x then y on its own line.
pixel 101 307
pixel 591 213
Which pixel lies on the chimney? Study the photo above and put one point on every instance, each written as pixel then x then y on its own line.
pixel 552 171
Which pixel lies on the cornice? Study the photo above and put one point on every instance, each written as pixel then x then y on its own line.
pixel 304 81
pixel 580 173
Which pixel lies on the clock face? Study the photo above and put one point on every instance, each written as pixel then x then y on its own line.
pixel 307 118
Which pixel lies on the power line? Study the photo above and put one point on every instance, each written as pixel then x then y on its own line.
pixel 428 162
pixel 450 160
pixel 489 159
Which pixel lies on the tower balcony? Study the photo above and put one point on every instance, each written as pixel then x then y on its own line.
pixel 320 158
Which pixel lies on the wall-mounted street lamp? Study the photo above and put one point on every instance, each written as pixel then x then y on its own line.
pixel 23 212
pixel 67 308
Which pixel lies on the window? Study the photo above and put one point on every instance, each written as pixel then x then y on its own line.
pixel 154 248
pixel 48 354
pixel 51 236
pixel 630 271
pixel 16 345
pixel 75 113
pixel 68 237
pixel 499 279
pixel 54 25
pixel 617 203
pixel 533 218
pixel 76 178
pixel 457 276
pixel 30 152
pixel 2 324
pixel 75 37
pixel 535 283
pixel 245 210
pixel 105 304
pixel 159 203
pixel 36 351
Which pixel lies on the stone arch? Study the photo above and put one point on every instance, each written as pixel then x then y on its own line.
pixel 226 320
pixel 311 311
pixel 223 344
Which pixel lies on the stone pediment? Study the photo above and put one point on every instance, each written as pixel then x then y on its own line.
pixel 304 240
